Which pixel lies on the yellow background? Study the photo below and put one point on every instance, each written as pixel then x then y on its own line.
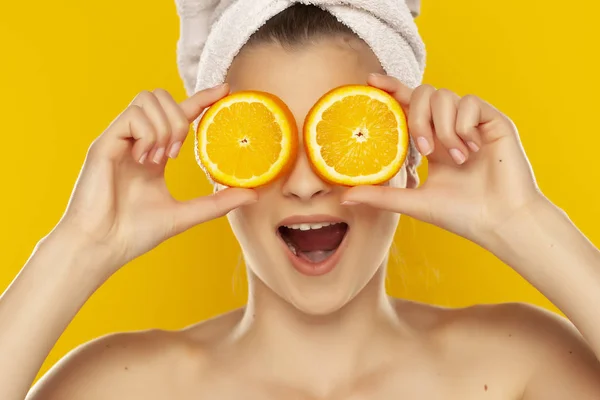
pixel 69 67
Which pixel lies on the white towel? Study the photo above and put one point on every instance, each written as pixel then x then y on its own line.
pixel 213 32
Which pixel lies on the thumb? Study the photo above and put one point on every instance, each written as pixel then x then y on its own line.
pixel 411 202
pixel 202 209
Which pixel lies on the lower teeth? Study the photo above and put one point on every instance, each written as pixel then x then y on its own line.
pixel 292 248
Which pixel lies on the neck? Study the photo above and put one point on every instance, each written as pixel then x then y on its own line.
pixel 326 350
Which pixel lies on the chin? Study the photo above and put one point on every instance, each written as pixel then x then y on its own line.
pixel 318 299
pixel 320 306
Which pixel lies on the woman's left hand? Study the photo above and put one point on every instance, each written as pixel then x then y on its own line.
pixel 479 175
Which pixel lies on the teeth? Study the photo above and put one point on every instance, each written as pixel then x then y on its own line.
pixel 292 248
pixel 306 227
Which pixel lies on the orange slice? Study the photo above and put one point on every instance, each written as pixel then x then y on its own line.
pixel 246 139
pixel 356 135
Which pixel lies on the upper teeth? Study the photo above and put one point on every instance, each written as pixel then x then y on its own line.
pixel 306 227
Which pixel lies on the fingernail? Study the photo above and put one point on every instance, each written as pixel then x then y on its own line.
pixel 376 75
pixel 424 146
pixel 143 158
pixel 221 86
pixel 473 146
pixel 350 203
pixel 175 148
pixel 159 155
pixel 458 156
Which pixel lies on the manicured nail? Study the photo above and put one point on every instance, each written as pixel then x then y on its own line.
pixel 143 158
pixel 376 75
pixel 424 146
pixel 473 146
pixel 350 203
pixel 159 155
pixel 221 86
pixel 458 156
pixel 175 148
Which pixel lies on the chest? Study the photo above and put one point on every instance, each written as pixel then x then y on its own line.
pixel 396 385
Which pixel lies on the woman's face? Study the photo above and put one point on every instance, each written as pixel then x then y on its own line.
pixel 332 263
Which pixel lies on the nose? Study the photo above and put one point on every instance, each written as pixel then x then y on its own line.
pixel 302 182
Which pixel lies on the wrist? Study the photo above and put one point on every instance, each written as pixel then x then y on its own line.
pixel 540 241
pixel 76 254
pixel 522 223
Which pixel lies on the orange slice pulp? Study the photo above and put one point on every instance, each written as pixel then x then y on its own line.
pixel 356 135
pixel 246 139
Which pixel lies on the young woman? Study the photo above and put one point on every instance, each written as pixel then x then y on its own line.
pixel 328 335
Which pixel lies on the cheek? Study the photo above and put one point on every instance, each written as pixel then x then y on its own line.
pixel 384 226
pixel 238 224
pixel 377 227
pixel 243 222
pixel 252 228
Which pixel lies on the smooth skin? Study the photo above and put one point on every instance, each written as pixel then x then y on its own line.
pixel 308 338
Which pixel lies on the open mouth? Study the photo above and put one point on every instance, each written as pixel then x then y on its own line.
pixel 313 242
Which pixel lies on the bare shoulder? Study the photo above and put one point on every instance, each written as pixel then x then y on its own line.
pixel 539 351
pixel 143 364
pixel 532 329
pixel 113 366
pixel 523 323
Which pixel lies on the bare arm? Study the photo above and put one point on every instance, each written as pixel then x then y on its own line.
pixel 38 306
pixel 546 248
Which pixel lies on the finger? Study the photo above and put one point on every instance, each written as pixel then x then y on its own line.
pixel 132 125
pixel 488 114
pixel 444 110
pixel 468 119
pixel 420 119
pixel 394 86
pixel 178 122
pixel 153 109
pixel 411 202
pixel 193 212
pixel 143 131
pixel 194 105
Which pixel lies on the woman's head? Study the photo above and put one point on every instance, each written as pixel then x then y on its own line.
pixel 299 55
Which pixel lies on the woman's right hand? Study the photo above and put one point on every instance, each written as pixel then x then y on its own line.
pixel 120 205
